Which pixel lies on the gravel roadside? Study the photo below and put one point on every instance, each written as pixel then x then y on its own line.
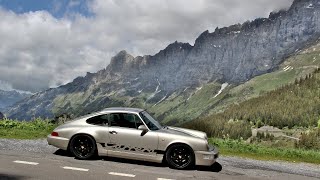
pixel 234 164
pixel 33 146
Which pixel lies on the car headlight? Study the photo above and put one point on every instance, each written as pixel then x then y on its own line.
pixel 210 147
pixel 208 156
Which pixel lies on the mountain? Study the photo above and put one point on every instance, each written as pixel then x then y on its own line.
pixel 180 78
pixel 213 98
pixel 8 98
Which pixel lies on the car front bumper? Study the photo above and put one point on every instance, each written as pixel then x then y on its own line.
pixel 206 158
pixel 59 142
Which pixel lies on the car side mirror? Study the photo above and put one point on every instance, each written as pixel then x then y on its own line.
pixel 144 129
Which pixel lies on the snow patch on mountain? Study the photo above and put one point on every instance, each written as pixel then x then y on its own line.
pixel 223 86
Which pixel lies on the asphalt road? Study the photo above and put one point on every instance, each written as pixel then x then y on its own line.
pixel 34 159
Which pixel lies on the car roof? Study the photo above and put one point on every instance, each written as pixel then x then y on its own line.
pixel 122 109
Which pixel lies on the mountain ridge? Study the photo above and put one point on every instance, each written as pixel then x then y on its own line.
pixel 250 27
pixel 231 55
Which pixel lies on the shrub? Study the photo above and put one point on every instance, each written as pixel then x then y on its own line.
pixel 234 129
pixel 309 140
pixel 37 128
pixel 259 123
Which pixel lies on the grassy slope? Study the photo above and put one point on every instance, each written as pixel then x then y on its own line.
pixel 187 105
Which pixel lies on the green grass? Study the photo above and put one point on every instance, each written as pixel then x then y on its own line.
pixel 239 148
pixel 13 129
pixel 170 103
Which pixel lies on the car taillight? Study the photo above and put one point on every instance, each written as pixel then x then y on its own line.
pixel 54 134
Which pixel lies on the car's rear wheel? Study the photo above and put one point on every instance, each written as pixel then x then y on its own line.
pixel 83 146
pixel 180 156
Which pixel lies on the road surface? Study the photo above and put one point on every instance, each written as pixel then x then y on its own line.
pixel 34 159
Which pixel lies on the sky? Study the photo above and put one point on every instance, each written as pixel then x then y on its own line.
pixel 47 43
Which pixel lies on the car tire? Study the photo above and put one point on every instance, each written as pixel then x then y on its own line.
pixel 83 147
pixel 180 156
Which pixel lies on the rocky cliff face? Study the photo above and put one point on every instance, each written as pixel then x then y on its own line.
pixel 233 54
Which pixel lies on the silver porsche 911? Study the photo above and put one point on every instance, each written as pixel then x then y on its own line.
pixel 132 133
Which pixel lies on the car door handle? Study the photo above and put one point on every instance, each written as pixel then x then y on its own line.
pixel 113 132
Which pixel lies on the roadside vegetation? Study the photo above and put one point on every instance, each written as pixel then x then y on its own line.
pixel 37 128
pixel 40 128
pixel 230 147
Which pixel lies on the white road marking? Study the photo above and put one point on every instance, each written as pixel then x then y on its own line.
pixel 122 174
pixel 26 162
pixel 164 179
pixel 75 168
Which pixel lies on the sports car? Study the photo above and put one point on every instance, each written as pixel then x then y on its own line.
pixel 134 134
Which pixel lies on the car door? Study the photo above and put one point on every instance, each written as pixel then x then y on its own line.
pixel 99 128
pixel 125 140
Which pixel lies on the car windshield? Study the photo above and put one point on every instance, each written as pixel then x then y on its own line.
pixel 150 121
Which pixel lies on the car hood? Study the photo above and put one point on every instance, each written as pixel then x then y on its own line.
pixel 185 132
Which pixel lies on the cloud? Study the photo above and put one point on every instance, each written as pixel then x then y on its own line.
pixel 38 51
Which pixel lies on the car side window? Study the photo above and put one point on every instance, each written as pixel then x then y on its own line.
pixel 125 120
pixel 100 120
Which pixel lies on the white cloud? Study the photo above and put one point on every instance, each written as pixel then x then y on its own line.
pixel 38 51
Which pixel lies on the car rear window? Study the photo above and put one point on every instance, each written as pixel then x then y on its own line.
pixel 98 120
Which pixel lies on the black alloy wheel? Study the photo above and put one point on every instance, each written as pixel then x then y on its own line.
pixel 83 147
pixel 180 156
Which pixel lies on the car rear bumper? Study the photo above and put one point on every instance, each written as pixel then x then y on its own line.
pixel 59 142
pixel 206 158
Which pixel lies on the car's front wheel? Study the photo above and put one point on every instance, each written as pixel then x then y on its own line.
pixel 83 147
pixel 180 156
